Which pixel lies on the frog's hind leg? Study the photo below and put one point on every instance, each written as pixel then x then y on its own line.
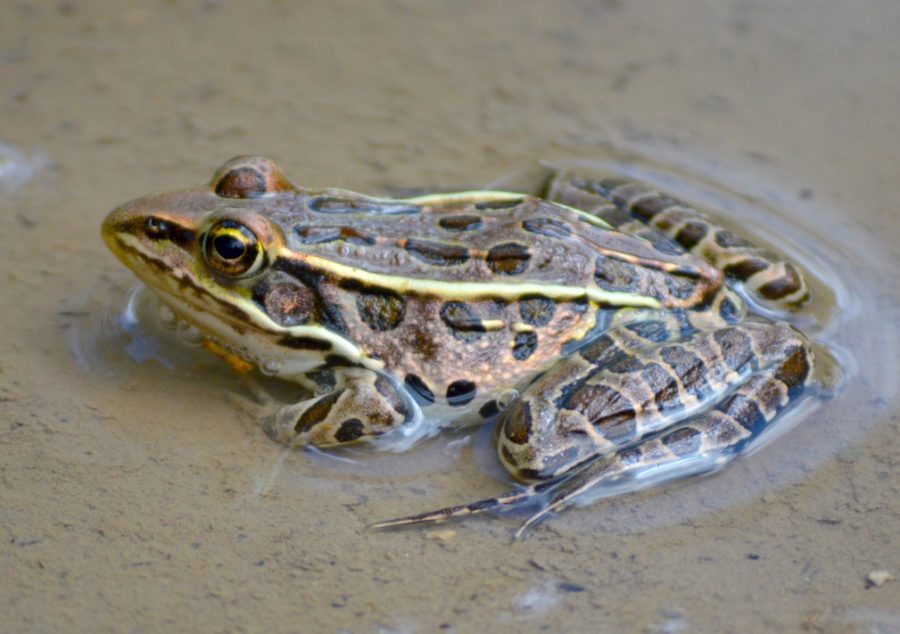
pixel 703 443
pixel 577 431
pixel 641 210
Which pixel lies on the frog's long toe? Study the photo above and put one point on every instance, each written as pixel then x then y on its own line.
pixel 505 502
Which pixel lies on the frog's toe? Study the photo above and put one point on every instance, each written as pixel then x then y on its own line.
pixel 506 502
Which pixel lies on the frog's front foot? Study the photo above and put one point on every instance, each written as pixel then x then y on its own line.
pixel 355 404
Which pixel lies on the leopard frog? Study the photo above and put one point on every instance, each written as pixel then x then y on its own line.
pixel 601 325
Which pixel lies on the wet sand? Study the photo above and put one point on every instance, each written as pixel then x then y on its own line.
pixel 136 500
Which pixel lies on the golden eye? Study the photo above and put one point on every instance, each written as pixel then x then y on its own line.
pixel 232 249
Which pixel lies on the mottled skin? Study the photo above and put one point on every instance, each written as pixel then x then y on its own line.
pixel 619 344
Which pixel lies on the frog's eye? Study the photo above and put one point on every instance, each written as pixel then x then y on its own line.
pixel 231 249
pixel 248 177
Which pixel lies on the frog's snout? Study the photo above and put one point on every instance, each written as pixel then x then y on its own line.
pixel 119 221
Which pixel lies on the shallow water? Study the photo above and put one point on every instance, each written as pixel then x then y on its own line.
pixel 136 496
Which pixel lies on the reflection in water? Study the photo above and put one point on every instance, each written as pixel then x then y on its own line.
pixel 17 167
pixel 111 324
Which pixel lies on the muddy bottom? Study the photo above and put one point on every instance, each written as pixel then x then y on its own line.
pixel 137 497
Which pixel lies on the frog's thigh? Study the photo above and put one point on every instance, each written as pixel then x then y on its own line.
pixel 628 205
pixel 362 404
pixel 575 413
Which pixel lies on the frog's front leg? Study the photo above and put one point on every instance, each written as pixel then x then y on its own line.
pixel 613 410
pixel 350 404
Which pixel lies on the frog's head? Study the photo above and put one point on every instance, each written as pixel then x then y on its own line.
pixel 210 253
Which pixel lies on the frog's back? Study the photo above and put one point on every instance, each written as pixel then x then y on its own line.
pixel 491 238
pixel 478 237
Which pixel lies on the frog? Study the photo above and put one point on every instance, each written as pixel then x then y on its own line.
pixel 603 327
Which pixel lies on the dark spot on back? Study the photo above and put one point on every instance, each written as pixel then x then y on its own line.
pixel 460 223
pixel 524 345
pixel 614 275
pixel 323 235
pixel 460 392
pixel 350 429
pixel 349 205
pixel 326 313
pixel 464 325
pixel 419 391
pixel 437 253
pixel 508 258
pixel 550 227
pixel 497 204
pixel 241 182
pixel 691 233
pixel 537 311
pixel 489 409
pixel 682 442
pixel 382 310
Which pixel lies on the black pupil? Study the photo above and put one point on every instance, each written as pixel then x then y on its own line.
pixel 229 247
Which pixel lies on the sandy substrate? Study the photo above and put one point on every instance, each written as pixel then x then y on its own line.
pixel 133 499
